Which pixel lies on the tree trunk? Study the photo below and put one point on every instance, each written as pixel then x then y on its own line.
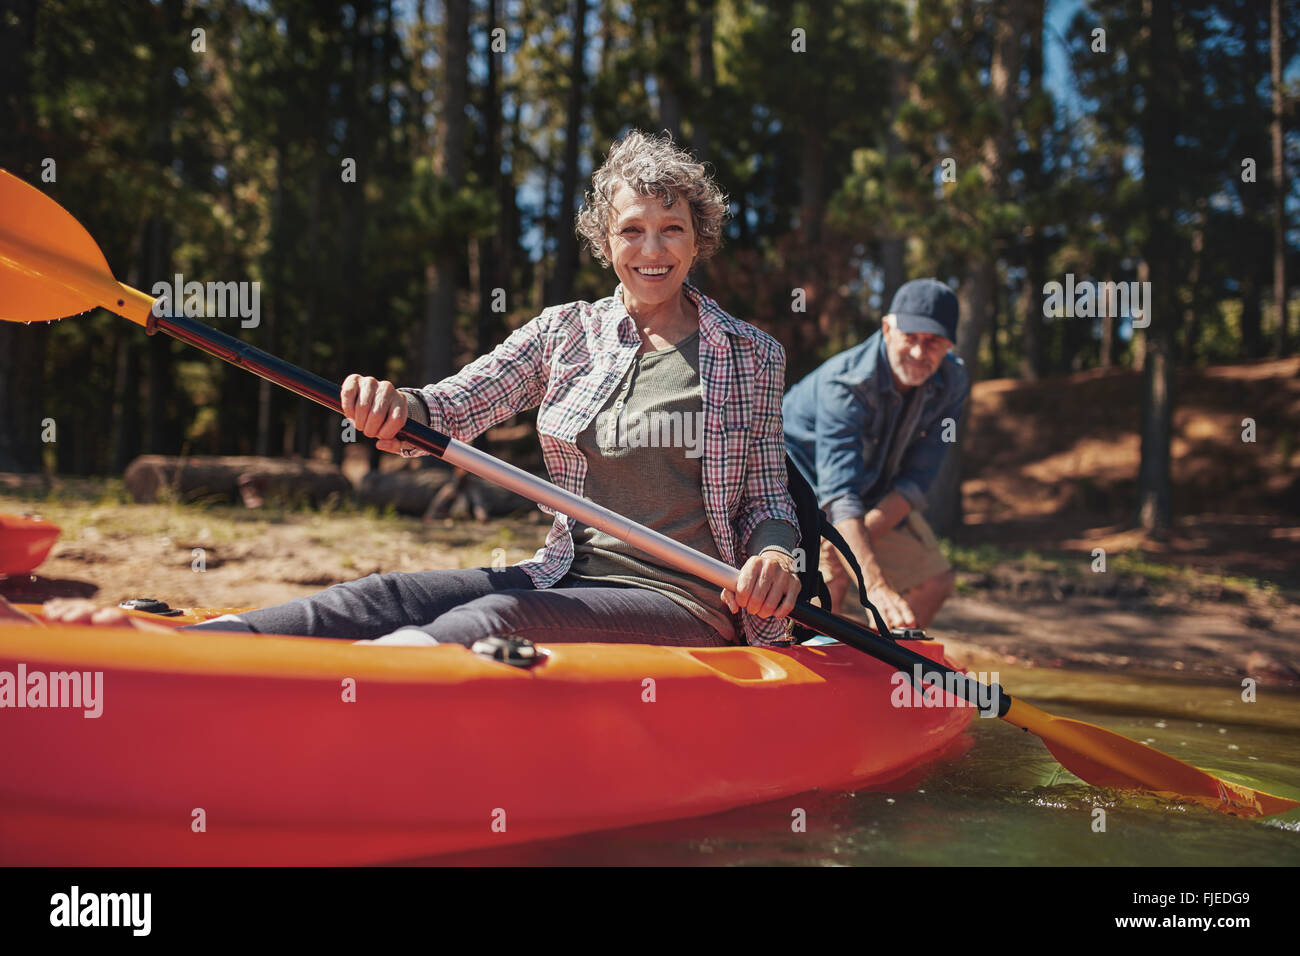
pixel 977 293
pixel 1191 314
pixel 812 178
pixel 1159 175
pixel 892 267
pixel 943 509
pixel 671 22
pixel 975 296
pixel 892 247
pixel 22 349
pixel 812 182
pixel 126 405
pixel 155 250
pixel 1279 185
pixel 706 78
pixel 1154 484
pixel 440 276
pixel 1032 364
pixel 607 17
pixel 492 257
pixel 303 411
pixel 22 368
pixel 566 253
pixel 1140 336
pixel 543 293
pixel 265 393
pixel 1252 341
pixel 1106 358
pixel 510 228
pixel 1252 330
pixel 159 394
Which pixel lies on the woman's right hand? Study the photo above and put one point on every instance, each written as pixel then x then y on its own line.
pixel 375 407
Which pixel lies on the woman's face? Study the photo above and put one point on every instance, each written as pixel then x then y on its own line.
pixel 650 246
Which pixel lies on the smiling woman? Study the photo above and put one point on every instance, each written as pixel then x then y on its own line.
pixel 604 375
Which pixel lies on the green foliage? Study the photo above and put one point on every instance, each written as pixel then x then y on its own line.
pixel 226 164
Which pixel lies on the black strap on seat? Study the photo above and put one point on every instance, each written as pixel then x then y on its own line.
pixel 837 541
pixel 813 527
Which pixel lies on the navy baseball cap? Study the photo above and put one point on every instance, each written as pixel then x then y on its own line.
pixel 926 305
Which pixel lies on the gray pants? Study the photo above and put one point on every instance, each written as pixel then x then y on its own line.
pixel 460 607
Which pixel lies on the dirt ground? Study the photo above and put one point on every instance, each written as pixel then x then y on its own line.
pixel 1004 612
pixel 1053 466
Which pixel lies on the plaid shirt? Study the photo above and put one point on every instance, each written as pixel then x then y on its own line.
pixel 570 359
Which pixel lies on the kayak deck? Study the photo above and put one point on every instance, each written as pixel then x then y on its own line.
pixel 305 751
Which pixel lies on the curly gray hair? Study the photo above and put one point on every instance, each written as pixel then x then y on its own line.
pixel 653 166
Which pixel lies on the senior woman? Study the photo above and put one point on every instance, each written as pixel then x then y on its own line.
pixel 654 402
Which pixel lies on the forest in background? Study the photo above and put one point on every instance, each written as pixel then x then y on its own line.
pixel 861 142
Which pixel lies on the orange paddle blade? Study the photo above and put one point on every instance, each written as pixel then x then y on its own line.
pixel 50 267
pixel 1104 758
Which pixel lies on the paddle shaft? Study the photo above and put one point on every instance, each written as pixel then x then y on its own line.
pixel 457 453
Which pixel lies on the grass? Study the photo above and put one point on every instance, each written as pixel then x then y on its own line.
pixel 354 537
pixel 80 504
pixel 1157 575
pixel 104 505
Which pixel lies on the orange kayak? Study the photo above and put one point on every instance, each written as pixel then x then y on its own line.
pixel 25 541
pixel 233 749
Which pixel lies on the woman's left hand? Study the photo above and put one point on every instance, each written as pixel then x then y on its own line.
pixel 767 586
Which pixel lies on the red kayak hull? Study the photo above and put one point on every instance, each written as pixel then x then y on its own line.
pixel 228 749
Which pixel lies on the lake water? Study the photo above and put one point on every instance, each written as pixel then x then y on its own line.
pixel 1005 800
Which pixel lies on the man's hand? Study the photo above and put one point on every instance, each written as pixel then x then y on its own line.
pixel 375 407
pixel 767 586
pixel 891 605
pixel 857 533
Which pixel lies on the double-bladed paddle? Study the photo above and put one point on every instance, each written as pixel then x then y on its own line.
pixel 50 268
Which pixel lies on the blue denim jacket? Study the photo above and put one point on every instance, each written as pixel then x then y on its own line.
pixel 839 419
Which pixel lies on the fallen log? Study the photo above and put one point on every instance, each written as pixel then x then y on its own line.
pixel 439 492
pixel 24 483
pixel 407 490
pixel 250 479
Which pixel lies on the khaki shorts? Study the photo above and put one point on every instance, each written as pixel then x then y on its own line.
pixel 908 555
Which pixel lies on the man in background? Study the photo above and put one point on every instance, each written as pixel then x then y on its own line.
pixel 869 429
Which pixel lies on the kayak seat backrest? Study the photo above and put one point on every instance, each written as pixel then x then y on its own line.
pixel 813 527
